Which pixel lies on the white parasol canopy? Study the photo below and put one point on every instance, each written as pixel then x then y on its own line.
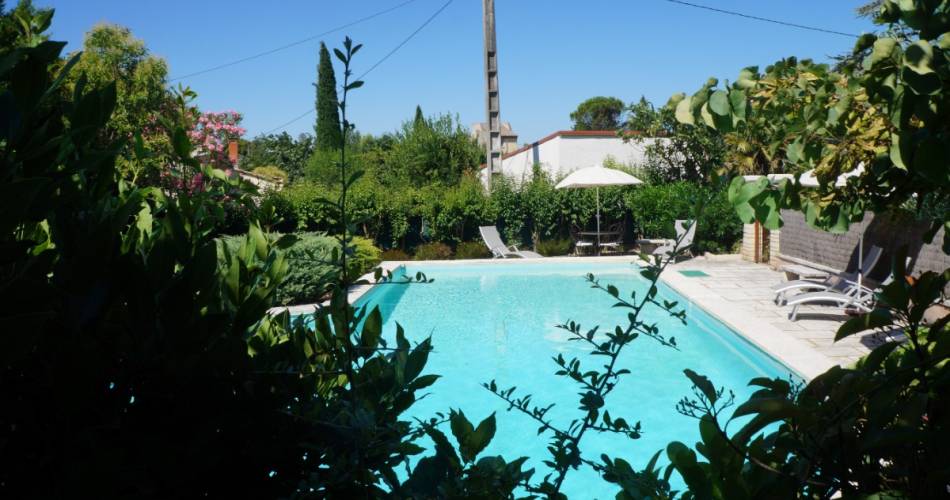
pixel 596 177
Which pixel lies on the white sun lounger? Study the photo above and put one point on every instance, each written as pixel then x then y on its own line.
pixel 861 298
pixel 842 283
pixel 684 241
pixel 498 248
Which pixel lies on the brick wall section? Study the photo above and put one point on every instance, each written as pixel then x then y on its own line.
pixel 839 251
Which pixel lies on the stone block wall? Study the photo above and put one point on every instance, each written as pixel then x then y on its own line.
pixel 775 248
pixel 839 251
pixel 747 250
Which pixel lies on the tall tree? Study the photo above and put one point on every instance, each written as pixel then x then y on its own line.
pixel 598 113
pixel 328 116
pixel 685 152
pixel 111 53
pixel 420 119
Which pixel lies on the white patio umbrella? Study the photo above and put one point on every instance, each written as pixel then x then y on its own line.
pixel 808 179
pixel 596 177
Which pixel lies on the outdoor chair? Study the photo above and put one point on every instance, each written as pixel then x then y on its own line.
pixel 498 248
pixel 842 282
pixel 581 244
pixel 615 243
pixel 685 232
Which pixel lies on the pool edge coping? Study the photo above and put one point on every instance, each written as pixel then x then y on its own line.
pixel 790 351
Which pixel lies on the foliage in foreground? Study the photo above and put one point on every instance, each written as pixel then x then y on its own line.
pixel 134 365
pixel 877 429
pixel 127 355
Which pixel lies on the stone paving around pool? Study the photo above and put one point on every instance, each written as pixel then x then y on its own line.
pixel 739 293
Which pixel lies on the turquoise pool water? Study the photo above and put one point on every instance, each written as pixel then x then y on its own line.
pixel 497 321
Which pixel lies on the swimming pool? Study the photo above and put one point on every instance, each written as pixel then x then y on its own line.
pixel 498 321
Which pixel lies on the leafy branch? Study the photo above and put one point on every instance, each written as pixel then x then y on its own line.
pixel 597 384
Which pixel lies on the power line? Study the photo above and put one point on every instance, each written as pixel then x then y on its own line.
pixel 763 19
pixel 375 65
pixel 292 44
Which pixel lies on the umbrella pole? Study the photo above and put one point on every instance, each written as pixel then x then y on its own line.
pixel 597 195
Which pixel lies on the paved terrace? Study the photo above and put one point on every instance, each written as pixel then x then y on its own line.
pixel 739 293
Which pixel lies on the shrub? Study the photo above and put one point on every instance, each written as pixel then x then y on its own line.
pixel 433 251
pixel 301 209
pixel 309 265
pixel 550 248
pixel 309 268
pixel 394 254
pixel 365 257
pixel 656 207
pixel 455 213
pixel 472 250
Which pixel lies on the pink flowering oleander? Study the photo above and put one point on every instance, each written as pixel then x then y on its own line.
pixel 212 133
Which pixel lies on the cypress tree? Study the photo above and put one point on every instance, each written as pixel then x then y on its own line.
pixel 328 111
pixel 420 119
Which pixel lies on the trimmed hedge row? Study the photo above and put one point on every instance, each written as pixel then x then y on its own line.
pixel 526 215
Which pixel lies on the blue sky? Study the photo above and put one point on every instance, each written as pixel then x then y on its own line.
pixel 553 54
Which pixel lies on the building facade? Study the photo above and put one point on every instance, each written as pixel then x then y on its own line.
pixel 565 151
pixel 509 139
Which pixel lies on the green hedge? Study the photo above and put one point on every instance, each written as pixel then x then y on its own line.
pixel 656 208
pixel 408 216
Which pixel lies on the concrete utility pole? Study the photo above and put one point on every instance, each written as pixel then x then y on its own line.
pixel 492 103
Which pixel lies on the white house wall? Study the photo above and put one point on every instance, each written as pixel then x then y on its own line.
pixel 547 154
pixel 582 152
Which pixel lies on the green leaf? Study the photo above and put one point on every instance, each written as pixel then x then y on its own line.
pixel 684 460
pixel 919 57
pixel 471 440
pixel 737 100
pixel 864 41
pixel 340 55
pixel 900 151
pixel 877 318
pixel 774 408
pixel 922 84
pixel 683 112
pixel 931 160
pixel 719 103
pixel 482 436
pixel 423 382
pixel 885 49
pixel 181 143
pixel 748 78
pixel 372 330
pixel 703 384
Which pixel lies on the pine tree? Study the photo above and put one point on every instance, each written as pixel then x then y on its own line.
pixel 328 112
